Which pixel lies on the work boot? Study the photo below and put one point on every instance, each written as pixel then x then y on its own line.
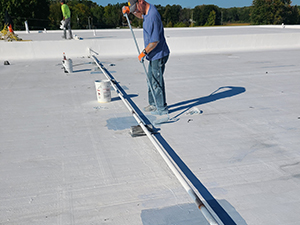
pixel 150 108
pixel 160 113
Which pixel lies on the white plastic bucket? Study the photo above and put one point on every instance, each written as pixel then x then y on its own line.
pixel 67 63
pixel 103 91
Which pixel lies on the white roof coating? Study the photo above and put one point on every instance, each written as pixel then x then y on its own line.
pixel 67 159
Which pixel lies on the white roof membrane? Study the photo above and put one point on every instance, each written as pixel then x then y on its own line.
pixel 67 159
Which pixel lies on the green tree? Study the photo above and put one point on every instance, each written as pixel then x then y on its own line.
pixel 294 15
pixel 235 14
pixel 271 11
pixel 161 10
pixel 86 14
pixel 211 19
pixel 169 24
pixel 198 15
pixel 98 13
pixel 201 14
pixel 36 12
pixel 171 14
pixel 184 16
pixel 80 16
pixel 244 14
pixel 55 15
pixel 180 24
pixel 113 15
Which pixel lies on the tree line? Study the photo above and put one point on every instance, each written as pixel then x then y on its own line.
pixel 86 14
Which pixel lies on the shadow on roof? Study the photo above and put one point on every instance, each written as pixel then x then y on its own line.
pixel 186 105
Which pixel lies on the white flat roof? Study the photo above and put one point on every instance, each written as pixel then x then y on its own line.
pixel 67 159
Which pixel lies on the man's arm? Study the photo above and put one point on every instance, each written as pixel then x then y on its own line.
pixel 63 11
pixel 138 14
pixel 151 46
pixel 147 50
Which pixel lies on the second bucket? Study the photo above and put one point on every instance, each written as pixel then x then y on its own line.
pixel 103 91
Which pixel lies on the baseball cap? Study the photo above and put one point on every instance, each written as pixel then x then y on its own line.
pixel 132 5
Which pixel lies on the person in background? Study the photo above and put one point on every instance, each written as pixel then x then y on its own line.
pixel 156 51
pixel 67 18
pixel 8 22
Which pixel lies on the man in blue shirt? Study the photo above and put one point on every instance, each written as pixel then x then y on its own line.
pixel 156 51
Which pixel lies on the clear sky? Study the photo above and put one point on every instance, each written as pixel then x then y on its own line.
pixel 192 3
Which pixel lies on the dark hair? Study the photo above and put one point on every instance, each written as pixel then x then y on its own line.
pixel 62 1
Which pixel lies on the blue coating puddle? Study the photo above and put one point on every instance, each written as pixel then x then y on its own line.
pixel 121 123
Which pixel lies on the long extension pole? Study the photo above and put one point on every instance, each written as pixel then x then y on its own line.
pixel 138 50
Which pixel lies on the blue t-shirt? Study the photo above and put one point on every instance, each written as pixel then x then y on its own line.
pixel 153 32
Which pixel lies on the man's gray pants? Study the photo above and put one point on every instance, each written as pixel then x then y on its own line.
pixel 67 26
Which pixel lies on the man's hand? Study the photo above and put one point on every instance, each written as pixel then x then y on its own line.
pixel 125 10
pixel 142 56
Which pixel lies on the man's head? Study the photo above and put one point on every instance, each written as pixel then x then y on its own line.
pixel 132 5
pixel 138 6
pixel 62 2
